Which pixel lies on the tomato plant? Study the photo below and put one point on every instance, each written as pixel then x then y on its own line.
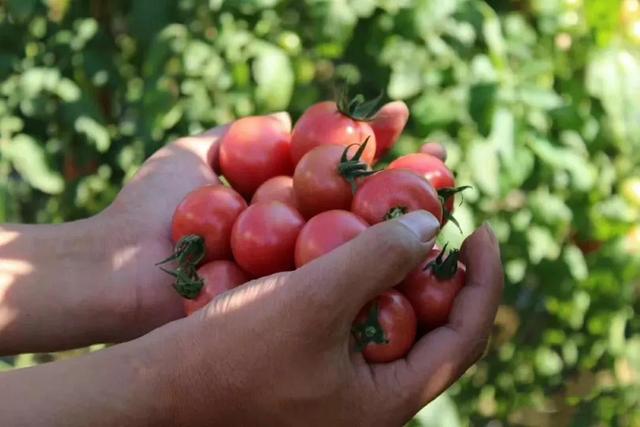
pixel 253 150
pixel 208 212
pixel 394 192
pixel 433 286
pixel 264 236
pixel 330 123
pixel 325 232
pixel 217 277
pixel 385 328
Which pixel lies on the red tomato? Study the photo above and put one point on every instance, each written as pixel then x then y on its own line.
pixel 263 238
pixel 278 188
pixel 217 277
pixel 253 150
pixel 325 232
pixel 432 168
pixel 318 184
pixel 433 286
pixel 393 192
pixel 386 327
pixel 322 124
pixel 209 212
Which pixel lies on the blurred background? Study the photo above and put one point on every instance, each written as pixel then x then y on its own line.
pixel 537 102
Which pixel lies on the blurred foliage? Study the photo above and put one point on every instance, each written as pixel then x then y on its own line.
pixel 537 102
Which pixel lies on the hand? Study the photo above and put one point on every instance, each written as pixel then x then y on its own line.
pixel 278 349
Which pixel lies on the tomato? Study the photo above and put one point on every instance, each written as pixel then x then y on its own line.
pixel 385 328
pixel 387 126
pixel 253 150
pixel 435 149
pixel 393 192
pixel 217 277
pixel 433 286
pixel 432 168
pixel 322 179
pixel 325 232
pixel 264 236
pixel 208 212
pixel 278 188
pixel 324 123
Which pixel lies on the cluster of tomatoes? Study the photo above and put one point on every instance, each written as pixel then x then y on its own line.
pixel 311 191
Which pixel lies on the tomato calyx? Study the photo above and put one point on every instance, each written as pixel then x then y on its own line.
pixel 396 212
pixel 353 168
pixel 358 108
pixel 188 253
pixel 444 194
pixel 369 331
pixel 445 267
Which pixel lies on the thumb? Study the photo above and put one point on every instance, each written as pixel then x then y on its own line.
pixel 378 259
pixel 388 124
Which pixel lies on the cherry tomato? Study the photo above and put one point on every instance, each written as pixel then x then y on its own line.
pixel 432 168
pixel 253 150
pixel 393 192
pixel 325 232
pixel 318 183
pixel 386 328
pixel 433 286
pixel 264 236
pixel 217 277
pixel 324 123
pixel 209 212
pixel 278 188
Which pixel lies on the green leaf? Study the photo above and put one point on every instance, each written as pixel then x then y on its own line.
pixel 20 10
pixel 548 362
pixel 485 168
pixel 441 412
pixel 273 74
pixel 29 159
pixel 94 132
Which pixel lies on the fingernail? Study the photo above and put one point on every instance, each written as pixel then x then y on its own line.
pixel 422 223
pixel 489 230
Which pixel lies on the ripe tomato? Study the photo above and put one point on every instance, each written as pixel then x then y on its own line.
pixel 324 123
pixel 393 192
pixel 433 286
pixel 322 179
pixel 278 188
pixel 217 277
pixel 253 150
pixel 432 168
pixel 325 232
pixel 264 236
pixel 208 212
pixel 385 328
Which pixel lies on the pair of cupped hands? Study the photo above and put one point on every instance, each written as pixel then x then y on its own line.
pixel 279 351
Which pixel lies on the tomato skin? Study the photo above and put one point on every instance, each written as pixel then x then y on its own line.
pixel 317 184
pixel 218 277
pixel 325 232
pixel 432 168
pixel 387 125
pixel 253 150
pixel 393 188
pixel 264 236
pixel 209 212
pixel 432 298
pixel 398 321
pixel 278 188
pixel 323 123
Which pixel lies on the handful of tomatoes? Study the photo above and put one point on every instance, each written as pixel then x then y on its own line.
pixel 293 197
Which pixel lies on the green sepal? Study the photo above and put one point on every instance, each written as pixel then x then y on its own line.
pixel 358 108
pixel 445 267
pixel 352 168
pixel 369 331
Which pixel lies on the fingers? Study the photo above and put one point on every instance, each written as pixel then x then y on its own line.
pixel 378 259
pixel 435 149
pixel 388 124
pixel 443 355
